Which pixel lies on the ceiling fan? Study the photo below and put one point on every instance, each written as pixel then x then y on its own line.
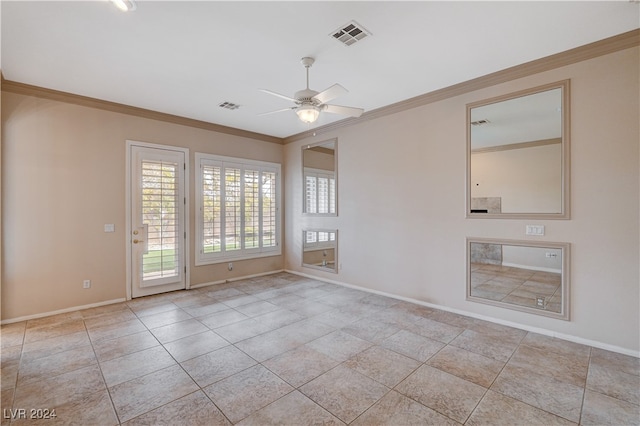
pixel 309 103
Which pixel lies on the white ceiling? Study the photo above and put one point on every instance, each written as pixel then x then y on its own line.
pixel 529 118
pixel 185 58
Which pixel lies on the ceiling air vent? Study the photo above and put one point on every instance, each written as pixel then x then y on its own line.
pixel 480 122
pixel 350 33
pixel 229 105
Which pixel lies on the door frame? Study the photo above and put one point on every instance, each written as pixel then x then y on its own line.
pixel 128 224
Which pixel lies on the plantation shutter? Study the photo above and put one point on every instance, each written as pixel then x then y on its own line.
pixel 159 215
pixel 238 209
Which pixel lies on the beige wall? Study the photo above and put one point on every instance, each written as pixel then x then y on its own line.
pixel 410 195
pixel 63 178
pixel 318 160
pixel 528 180
pixel 532 258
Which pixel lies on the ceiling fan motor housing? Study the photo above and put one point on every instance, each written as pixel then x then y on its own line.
pixel 305 96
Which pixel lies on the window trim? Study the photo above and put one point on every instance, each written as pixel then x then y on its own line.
pixel 202 258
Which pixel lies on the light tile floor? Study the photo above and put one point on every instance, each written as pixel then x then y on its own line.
pixel 283 349
pixel 517 286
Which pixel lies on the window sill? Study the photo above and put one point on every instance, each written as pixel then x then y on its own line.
pixel 230 258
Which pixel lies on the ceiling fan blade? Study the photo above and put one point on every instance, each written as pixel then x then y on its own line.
pixel 280 110
pixel 278 95
pixel 344 110
pixel 330 93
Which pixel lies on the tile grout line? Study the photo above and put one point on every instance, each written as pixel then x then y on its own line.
pixel 584 390
pixel 113 407
pixel 496 378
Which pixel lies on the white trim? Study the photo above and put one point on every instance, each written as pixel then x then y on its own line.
pixel 186 179
pixel 532 268
pixel 61 311
pixel 245 277
pixel 331 173
pixel 240 256
pixel 127 210
pixel 543 331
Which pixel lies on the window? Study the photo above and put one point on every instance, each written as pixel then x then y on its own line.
pixel 320 191
pixel 238 207
pixel 319 239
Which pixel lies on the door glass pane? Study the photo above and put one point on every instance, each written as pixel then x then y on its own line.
pixel 159 214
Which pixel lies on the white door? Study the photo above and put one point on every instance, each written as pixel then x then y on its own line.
pixel 157 219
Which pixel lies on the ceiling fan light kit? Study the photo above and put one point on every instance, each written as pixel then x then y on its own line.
pixel 309 103
pixel 308 113
pixel 125 5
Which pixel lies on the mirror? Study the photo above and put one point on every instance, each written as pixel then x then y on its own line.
pixel 320 249
pixel 522 275
pixel 518 155
pixel 319 179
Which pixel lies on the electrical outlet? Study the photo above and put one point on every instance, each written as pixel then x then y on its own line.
pixel 230 267
pixel 540 301
pixel 86 284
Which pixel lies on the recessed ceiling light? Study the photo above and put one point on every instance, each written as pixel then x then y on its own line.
pixel 125 5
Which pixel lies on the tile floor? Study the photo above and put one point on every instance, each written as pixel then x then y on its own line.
pixel 283 349
pixel 517 286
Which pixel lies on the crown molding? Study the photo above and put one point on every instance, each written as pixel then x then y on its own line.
pixel 518 145
pixel 55 95
pixel 588 51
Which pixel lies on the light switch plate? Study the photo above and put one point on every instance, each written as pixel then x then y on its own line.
pixel 109 227
pixel 537 230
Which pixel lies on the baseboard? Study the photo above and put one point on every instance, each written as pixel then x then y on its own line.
pixel 543 331
pixel 230 280
pixel 532 268
pixel 207 284
pixel 61 311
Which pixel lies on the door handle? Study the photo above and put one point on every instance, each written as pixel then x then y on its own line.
pixel 144 231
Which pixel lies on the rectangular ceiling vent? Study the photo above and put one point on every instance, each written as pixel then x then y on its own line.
pixel 480 122
pixel 229 105
pixel 350 33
